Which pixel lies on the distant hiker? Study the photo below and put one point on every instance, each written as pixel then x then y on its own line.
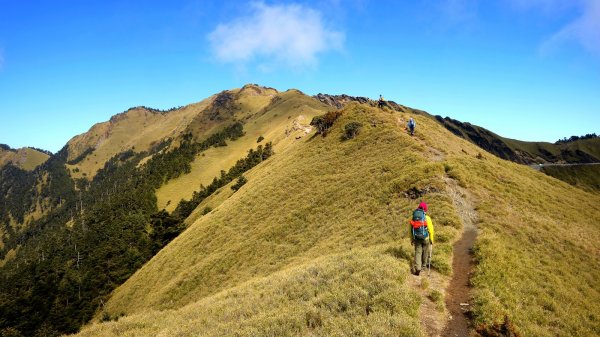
pixel 381 102
pixel 411 126
pixel 421 236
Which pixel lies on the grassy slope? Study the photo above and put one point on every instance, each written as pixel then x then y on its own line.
pixel 586 150
pixel 537 257
pixel 587 146
pixel 25 158
pixel 271 124
pixel 307 204
pixel 136 128
pixel 586 177
pixel 337 207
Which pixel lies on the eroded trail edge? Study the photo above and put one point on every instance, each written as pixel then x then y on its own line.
pixel 458 293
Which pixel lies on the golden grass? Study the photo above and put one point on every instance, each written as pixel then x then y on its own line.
pixel 319 198
pixel 360 293
pixel 136 129
pixel 294 109
pixel 339 207
pixel 537 251
pixel 25 158
pixel 586 177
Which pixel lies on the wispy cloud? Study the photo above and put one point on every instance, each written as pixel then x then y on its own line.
pixel 290 35
pixel 584 30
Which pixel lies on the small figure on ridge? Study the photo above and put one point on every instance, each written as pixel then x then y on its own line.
pixel 411 126
pixel 381 102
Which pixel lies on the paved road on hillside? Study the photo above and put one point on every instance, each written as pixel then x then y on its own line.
pixel 539 166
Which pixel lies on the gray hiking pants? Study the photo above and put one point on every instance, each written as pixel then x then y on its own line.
pixel 421 254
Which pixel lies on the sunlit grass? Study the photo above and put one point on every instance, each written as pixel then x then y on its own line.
pixel 272 124
pixel 25 158
pixel 340 207
pixel 537 254
pixel 360 292
pixel 586 177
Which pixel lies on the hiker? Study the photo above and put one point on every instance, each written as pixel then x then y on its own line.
pixel 421 236
pixel 381 102
pixel 411 126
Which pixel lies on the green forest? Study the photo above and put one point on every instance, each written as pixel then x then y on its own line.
pixel 94 234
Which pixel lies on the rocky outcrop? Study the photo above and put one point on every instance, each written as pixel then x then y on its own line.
pixel 339 101
pixel 482 138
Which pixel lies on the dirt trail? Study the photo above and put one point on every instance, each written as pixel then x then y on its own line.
pixel 458 292
pixel 431 316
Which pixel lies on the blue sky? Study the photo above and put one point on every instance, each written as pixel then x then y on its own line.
pixel 525 69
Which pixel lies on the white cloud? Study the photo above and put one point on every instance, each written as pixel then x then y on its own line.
pixel 291 35
pixel 584 30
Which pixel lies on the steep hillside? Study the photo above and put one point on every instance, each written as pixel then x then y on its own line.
pixel 314 201
pixel 282 118
pixel 137 129
pixel 578 151
pixel 25 158
pixel 71 232
pixel 141 128
pixel 309 240
pixel 585 176
pixel 315 243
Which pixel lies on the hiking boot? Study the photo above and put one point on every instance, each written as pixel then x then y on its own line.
pixel 417 272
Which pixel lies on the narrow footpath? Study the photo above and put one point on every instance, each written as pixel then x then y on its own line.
pixel 458 295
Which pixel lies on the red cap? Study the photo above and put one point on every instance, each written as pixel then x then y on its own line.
pixel 423 206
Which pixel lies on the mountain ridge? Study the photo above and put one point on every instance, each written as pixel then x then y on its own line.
pixel 284 218
pixel 524 152
pixel 26 158
pixel 320 196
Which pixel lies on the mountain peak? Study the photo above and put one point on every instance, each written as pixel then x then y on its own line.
pixel 26 158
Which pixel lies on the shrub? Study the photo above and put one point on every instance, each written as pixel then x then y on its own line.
pixel 105 317
pixel 324 122
pixel 241 181
pixel 351 130
pixel 260 139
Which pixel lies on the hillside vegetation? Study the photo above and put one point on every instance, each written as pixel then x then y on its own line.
pixel 25 158
pixel 584 150
pixel 68 238
pixel 281 118
pixel 583 176
pixel 315 243
pixel 292 212
pixel 137 129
